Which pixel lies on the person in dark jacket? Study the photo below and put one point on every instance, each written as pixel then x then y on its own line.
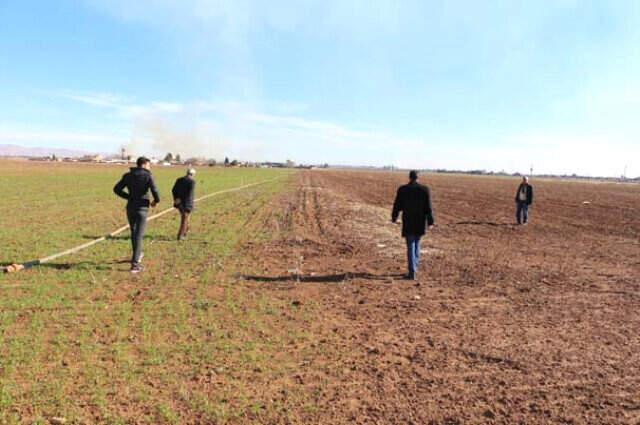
pixel 414 200
pixel 183 191
pixel 138 182
pixel 524 198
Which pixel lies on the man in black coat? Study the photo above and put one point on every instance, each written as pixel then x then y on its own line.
pixel 414 200
pixel 138 182
pixel 524 198
pixel 183 192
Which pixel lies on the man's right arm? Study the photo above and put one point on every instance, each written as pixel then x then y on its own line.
pixel 174 190
pixel 429 209
pixel 176 195
pixel 397 206
pixel 118 189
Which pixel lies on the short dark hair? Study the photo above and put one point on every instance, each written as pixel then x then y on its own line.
pixel 142 160
pixel 413 175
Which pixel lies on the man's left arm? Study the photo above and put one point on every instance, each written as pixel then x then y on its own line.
pixel 192 190
pixel 154 190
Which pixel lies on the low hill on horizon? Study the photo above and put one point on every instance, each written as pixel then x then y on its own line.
pixel 25 151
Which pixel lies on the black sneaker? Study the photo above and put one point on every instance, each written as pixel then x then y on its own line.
pixel 136 268
pixel 410 276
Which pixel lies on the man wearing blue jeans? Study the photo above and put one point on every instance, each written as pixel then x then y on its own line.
pixel 524 198
pixel 414 201
pixel 413 255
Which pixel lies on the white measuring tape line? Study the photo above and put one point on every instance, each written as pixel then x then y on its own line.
pixel 17 267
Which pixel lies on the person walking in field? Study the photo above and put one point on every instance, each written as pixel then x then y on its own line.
pixel 414 201
pixel 138 182
pixel 524 199
pixel 183 192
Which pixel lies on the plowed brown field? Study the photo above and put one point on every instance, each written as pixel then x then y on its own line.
pixel 506 324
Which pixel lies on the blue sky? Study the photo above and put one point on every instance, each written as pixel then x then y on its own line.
pixel 426 84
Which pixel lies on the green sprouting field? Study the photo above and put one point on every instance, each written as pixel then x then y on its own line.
pixel 83 340
pixel 47 208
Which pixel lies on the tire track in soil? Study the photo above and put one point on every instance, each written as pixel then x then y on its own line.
pixel 456 346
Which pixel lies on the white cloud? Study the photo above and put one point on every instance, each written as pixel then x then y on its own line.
pixel 587 123
pixel 218 128
pixel 215 128
pixel 67 138
pixel 94 99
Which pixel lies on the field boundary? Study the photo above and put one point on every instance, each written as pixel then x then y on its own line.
pixel 21 266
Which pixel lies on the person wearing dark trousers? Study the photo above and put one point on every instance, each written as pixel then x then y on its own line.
pixel 414 201
pixel 524 199
pixel 183 192
pixel 138 182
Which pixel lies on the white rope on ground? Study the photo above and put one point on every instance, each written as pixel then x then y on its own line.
pixel 17 267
